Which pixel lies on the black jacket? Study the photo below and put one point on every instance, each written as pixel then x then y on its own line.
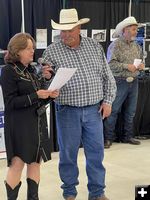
pixel 26 132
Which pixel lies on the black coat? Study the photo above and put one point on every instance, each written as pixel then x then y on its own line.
pixel 26 133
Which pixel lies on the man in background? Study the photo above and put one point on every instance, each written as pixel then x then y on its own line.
pixel 121 57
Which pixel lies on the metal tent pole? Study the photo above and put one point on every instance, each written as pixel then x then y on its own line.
pixel 130 8
pixel 23 22
pixel 64 3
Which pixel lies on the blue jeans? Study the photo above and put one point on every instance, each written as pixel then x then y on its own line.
pixel 76 125
pixel 127 94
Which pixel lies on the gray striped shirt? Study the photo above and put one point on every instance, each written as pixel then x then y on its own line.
pixel 92 82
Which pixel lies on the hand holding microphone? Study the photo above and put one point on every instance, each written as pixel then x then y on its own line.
pixel 47 70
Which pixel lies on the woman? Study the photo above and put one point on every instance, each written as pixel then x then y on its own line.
pixel 26 133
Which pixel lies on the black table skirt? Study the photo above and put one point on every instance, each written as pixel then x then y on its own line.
pixel 142 116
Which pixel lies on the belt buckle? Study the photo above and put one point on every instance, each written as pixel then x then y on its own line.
pixel 129 79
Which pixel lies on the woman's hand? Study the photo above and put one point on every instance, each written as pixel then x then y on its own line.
pixel 44 94
pixel 54 93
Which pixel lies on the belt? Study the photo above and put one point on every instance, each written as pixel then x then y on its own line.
pixel 128 79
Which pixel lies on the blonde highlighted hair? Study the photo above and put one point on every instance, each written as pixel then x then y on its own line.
pixel 18 42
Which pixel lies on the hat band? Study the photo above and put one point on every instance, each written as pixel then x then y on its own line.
pixel 69 23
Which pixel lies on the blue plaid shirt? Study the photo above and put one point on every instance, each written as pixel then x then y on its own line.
pixel 93 80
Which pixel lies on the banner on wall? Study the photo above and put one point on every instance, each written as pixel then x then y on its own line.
pixel 2 140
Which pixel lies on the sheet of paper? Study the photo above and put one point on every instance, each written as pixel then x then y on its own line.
pixel 63 75
pixel 137 62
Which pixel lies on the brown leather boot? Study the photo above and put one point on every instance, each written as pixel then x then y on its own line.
pixel 102 198
pixel 107 144
pixel 98 198
pixel 70 198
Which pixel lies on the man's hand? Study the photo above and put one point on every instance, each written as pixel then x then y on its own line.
pixel 132 68
pixel 105 109
pixel 47 71
pixel 141 66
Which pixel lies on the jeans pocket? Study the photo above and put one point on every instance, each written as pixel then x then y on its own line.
pixel 119 81
pixel 60 108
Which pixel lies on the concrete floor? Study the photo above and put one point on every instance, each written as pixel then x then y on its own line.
pixel 127 165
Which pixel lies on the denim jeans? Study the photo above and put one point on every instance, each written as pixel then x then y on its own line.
pixel 126 94
pixel 76 125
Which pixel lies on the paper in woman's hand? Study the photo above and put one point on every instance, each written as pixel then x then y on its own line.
pixel 63 75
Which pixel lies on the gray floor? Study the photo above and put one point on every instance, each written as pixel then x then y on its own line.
pixel 126 165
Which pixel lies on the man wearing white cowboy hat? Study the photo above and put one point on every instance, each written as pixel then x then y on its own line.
pixel 121 58
pixel 83 102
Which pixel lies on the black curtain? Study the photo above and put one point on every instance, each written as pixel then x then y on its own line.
pixel 103 14
pixel 142 118
pixel 141 10
pixel 10 20
pixel 38 15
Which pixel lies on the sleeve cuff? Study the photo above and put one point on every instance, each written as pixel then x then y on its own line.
pixel 107 102
pixel 33 98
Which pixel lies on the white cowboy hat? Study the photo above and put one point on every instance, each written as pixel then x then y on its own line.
pixel 68 19
pixel 126 22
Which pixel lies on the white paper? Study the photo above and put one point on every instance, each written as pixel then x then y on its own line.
pixel 62 76
pixel 137 62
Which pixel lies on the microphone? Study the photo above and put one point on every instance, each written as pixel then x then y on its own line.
pixel 3 51
pixel 34 64
pixel 42 62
